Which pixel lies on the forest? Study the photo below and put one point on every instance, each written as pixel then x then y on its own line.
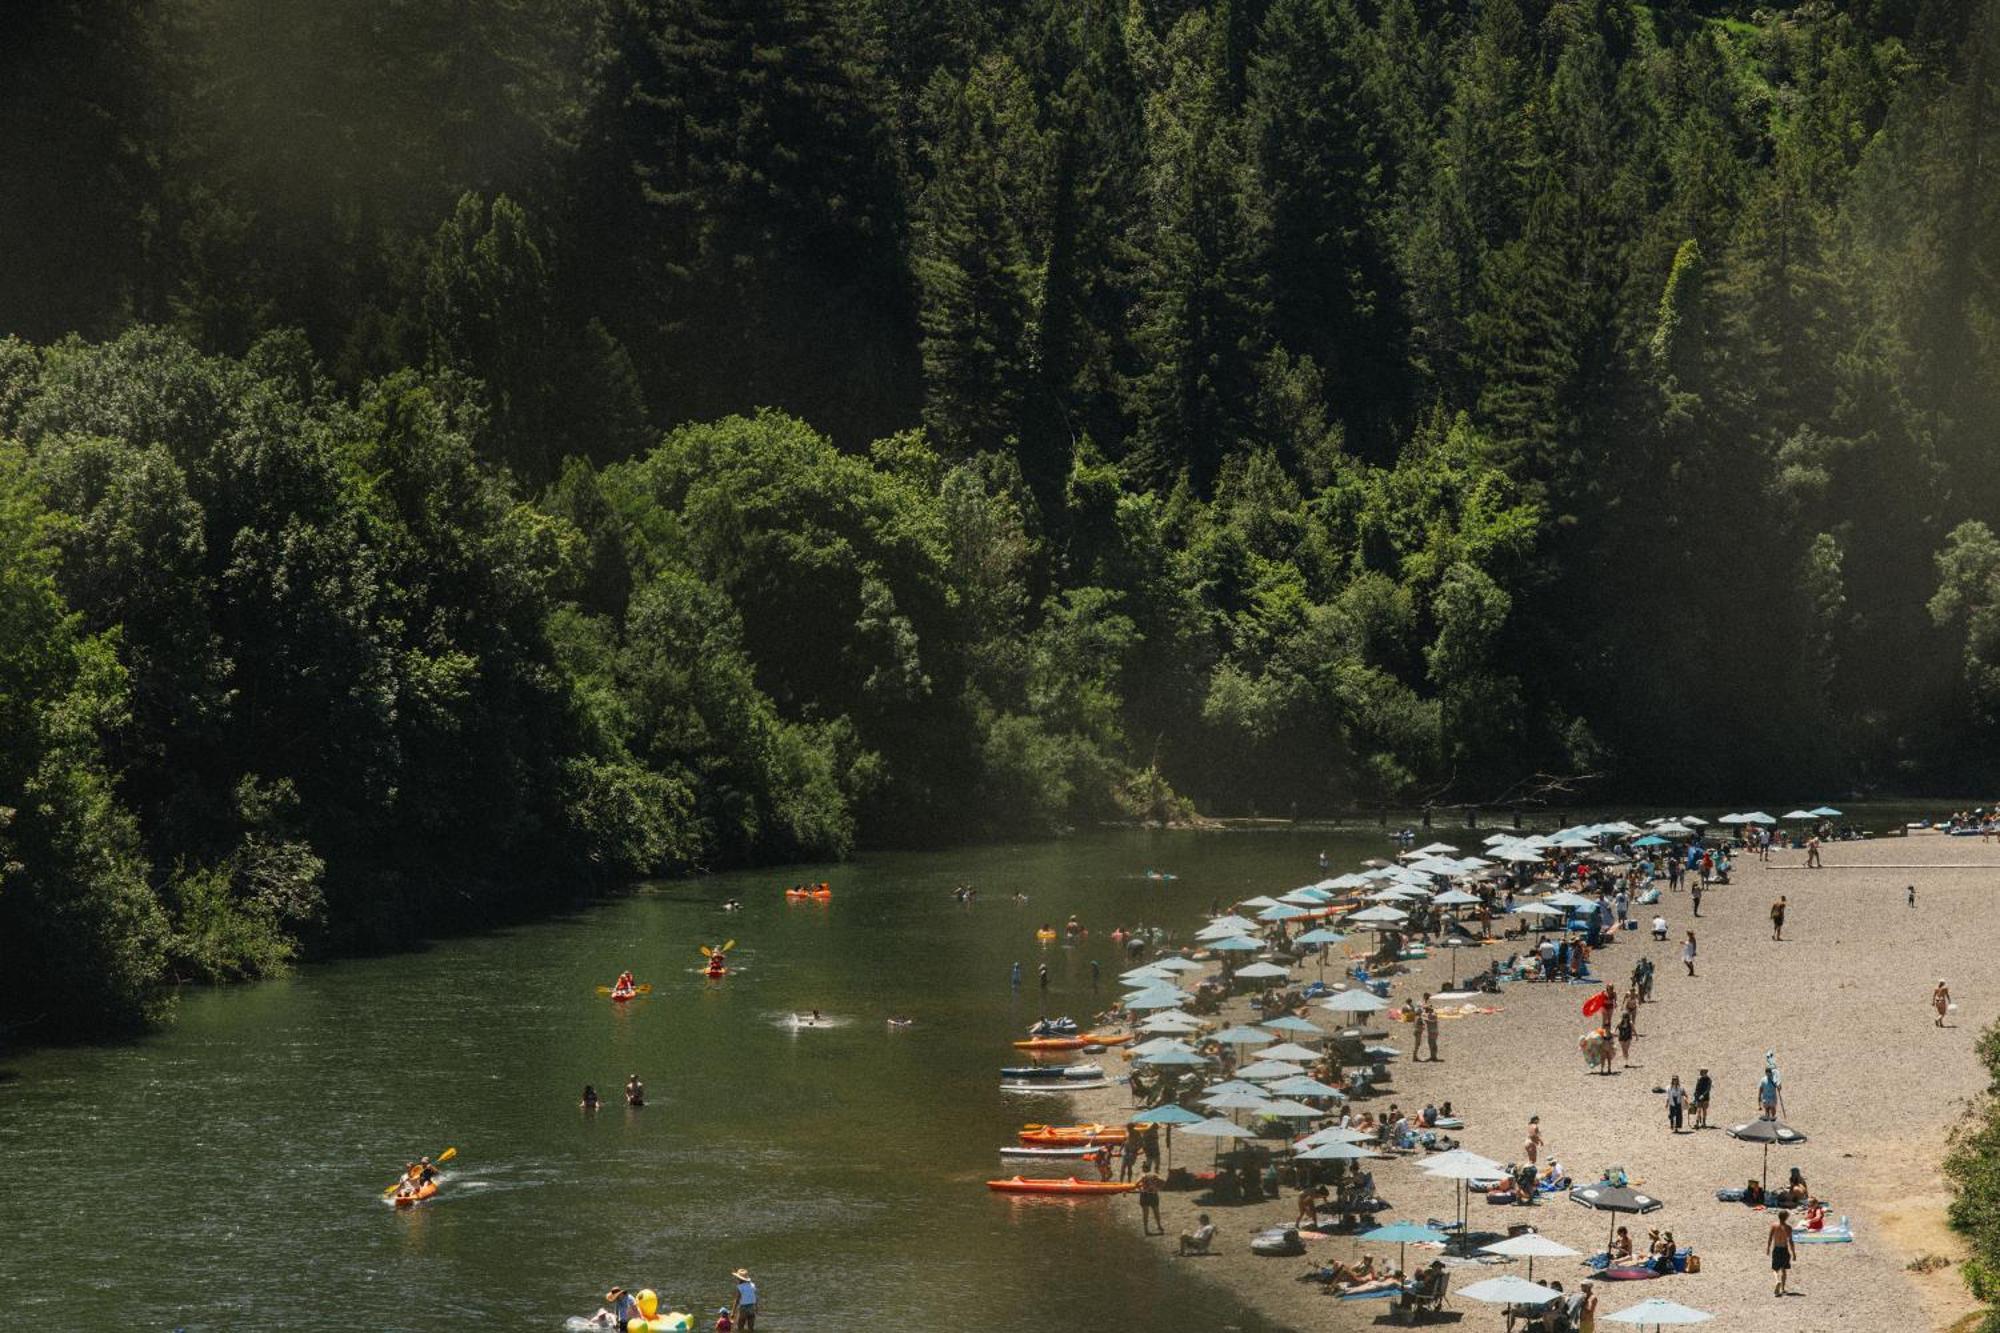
pixel 456 458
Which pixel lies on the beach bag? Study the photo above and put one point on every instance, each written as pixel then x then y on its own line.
pixel 1694 1263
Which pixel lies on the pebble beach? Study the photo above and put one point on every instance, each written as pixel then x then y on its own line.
pixel 1843 1000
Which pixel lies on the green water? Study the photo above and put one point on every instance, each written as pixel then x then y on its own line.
pixel 224 1174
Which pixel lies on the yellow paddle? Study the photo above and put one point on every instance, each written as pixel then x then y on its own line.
pixel 645 989
pixel 442 1158
pixel 706 951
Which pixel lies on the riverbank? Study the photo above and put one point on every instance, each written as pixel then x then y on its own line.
pixel 1843 1000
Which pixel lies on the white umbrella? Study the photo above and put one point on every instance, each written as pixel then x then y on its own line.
pixel 1530 1246
pixel 1180 965
pixel 1263 972
pixel 1236 1101
pixel 1291 1024
pixel 1171 1020
pixel 1264 1070
pixel 1458 1164
pixel 1282 912
pixel 1305 1086
pixel 1237 944
pixel 1307 897
pixel 1334 1134
pixel 1520 855
pixel 1259 901
pixel 1659 1313
pixel 1219 1128
pixel 1354 1002
pixel 1799 814
pixel 1160 1045
pixel 1287 1109
pixel 1536 909
pixel 1509 1291
pixel 1457 898
pixel 1244 1036
pixel 1232 1085
pixel 1335 1152
pixel 1289 1050
pixel 1438 849
pixel 1378 917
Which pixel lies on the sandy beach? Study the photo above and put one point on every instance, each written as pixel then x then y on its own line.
pixel 1844 1001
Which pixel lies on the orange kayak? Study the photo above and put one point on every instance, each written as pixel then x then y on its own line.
pixel 1107 1038
pixel 1070 1136
pixel 424 1191
pixel 815 895
pixel 1072 1185
pixel 1054 1044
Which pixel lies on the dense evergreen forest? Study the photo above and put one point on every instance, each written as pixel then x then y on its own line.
pixel 452 455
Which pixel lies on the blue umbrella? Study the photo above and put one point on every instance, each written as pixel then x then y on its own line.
pixel 1401 1234
pixel 1652 840
pixel 1236 944
pixel 1174 1058
pixel 1321 936
pixel 1166 1115
pixel 1826 812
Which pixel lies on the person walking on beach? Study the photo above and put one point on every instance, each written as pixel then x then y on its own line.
pixel 1586 1311
pixel 1694 892
pixel 1417 1027
pixel 1687 953
pixel 1149 1205
pixel 1533 1147
pixel 1941 1001
pixel 1812 852
pixel 1704 1088
pixel 1676 1103
pixel 1778 1241
pixel 1627 1029
pixel 1778 918
pixel 1429 1019
pixel 1913 895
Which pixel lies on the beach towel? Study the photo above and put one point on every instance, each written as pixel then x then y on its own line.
pixel 1629 1274
pixel 1371 1295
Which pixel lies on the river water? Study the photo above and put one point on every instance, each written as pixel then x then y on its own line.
pixel 225 1172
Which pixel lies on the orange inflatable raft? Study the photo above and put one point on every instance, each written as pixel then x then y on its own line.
pixel 1072 1136
pixel 1071 1185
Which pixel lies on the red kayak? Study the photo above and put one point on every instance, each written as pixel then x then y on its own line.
pixel 1072 1185
pixel 717 973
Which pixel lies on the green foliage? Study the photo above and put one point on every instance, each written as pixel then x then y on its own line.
pixel 1078 410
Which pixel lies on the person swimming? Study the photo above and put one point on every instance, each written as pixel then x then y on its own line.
pixel 589 1102
pixel 635 1091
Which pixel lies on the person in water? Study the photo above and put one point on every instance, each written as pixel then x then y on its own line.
pixel 618 1309
pixel 635 1091
pixel 589 1102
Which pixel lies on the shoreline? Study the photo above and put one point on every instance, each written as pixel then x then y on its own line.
pixel 1843 1000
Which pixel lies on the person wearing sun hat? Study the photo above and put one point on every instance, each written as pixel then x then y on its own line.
pixel 746 1301
pixel 619 1307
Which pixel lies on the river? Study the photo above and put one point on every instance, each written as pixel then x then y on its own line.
pixel 224 1172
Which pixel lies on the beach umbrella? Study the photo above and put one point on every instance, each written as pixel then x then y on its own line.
pixel 1171 1020
pixel 1766 1133
pixel 1178 964
pixel 1145 980
pixel 1672 831
pixel 1825 812
pixel 1758 817
pixel 1174 1058
pixel 1309 896
pixel 1695 821
pixel 1236 944
pixel 1335 1151
pixel 1282 912
pixel 1347 881
pixel 1165 1115
pixel 1455 943
pixel 1244 1036
pixel 1606 1197
pixel 1509 1291
pixel 1284 1108
pixel 1659 1313
pixel 1290 1050
pixel 1354 1002
pixel 1232 1085
pixel 1462 1168
pixel 1264 972
pixel 1159 999
pixel 1379 918
pixel 1565 899
pixel 1160 1044
pixel 1232 920
pixel 1259 901
pixel 1334 1134
pixel 1291 1024
pixel 1218 1128
pixel 1731 819
pixel 1236 1101
pixel 1520 855
pixel 1305 1086
pixel 1800 814
pixel 1457 898
pixel 1530 1246
pixel 1266 1070
pixel 1402 1234
pixel 1652 840
pixel 1437 849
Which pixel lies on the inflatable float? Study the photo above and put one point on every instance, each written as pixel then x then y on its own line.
pixel 1045 936
pixel 824 893
pixel 1070 1185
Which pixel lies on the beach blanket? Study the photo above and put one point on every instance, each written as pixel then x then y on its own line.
pixel 1840 1235
pixel 1371 1295
pixel 1629 1274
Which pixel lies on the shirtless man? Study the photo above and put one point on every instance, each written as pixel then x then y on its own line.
pixel 1778 919
pixel 1941 1001
pixel 1778 1243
